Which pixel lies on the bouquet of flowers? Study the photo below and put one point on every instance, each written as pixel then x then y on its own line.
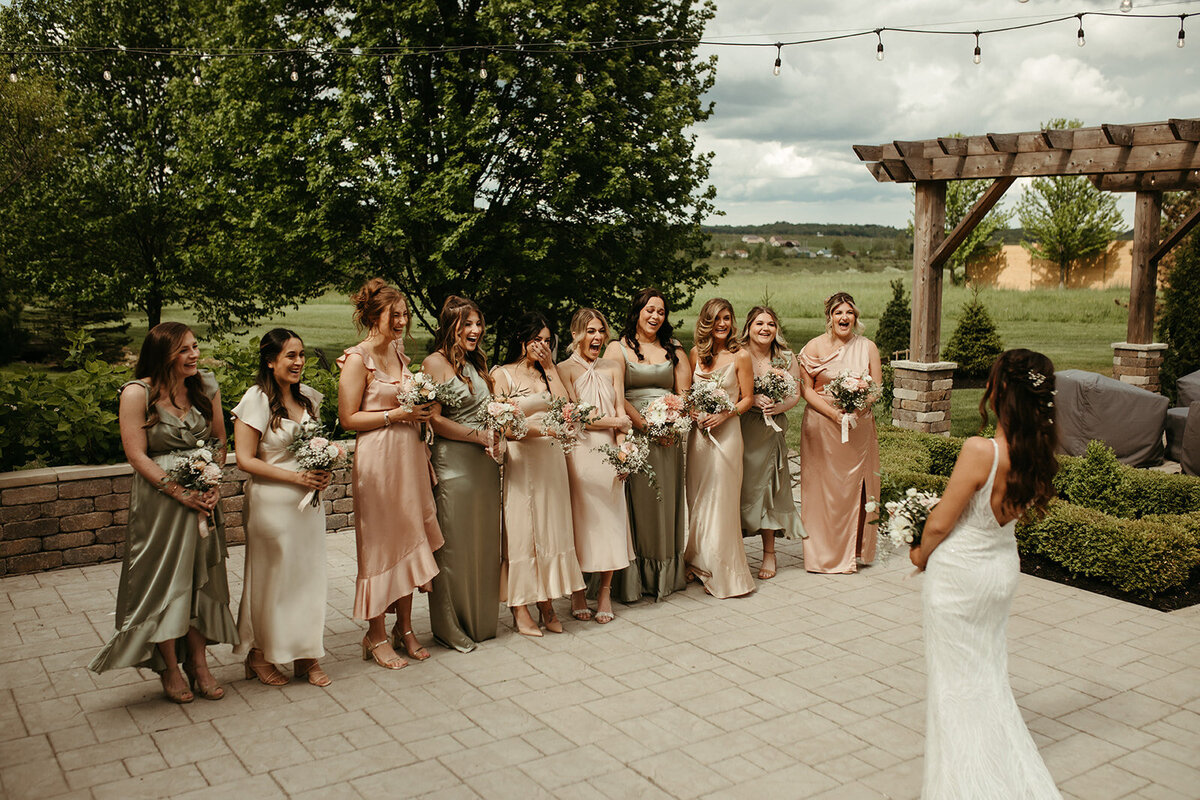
pixel 422 389
pixel 708 397
pixel 666 418
pixel 566 419
pixel 631 457
pixel 315 450
pixel 777 385
pixel 503 415
pixel 851 392
pixel 902 521
pixel 197 470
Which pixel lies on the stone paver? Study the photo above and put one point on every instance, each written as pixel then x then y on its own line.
pixel 812 687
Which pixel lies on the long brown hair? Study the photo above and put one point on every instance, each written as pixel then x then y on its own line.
pixel 665 331
pixel 372 301
pixel 704 328
pixel 1021 387
pixel 451 320
pixel 836 299
pixel 779 344
pixel 155 362
pixel 269 348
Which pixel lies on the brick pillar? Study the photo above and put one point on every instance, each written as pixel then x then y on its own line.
pixel 921 395
pixel 1138 364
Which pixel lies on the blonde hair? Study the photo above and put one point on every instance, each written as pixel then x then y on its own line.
pixel 836 299
pixel 579 323
pixel 779 345
pixel 704 328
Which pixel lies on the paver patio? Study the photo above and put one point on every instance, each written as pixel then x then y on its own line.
pixel 812 687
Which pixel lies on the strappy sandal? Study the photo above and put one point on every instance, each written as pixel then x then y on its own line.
pixel 369 653
pixel 604 617
pixel 418 653
pixel 765 574
pixel 582 614
pixel 181 696
pixel 209 691
pixel 266 672
pixel 308 667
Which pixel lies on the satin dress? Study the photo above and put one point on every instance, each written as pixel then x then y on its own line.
pixel 603 540
pixel 659 524
pixel 767 502
pixel 464 604
pixel 395 518
pixel 282 612
pixel 714 552
pixel 539 532
pixel 976 742
pixel 836 479
pixel 171 577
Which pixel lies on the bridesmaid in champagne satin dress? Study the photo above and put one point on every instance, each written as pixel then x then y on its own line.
pixel 538 528
pixel 714 553
pixel 655 364
pixel 464 603
pixel 395 517
pixel 836 479
pixel 603 540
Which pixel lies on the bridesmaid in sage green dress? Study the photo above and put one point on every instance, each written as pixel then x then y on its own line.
pixel 173 595
pixel 655 365
pixel 768 509
pixel 463 606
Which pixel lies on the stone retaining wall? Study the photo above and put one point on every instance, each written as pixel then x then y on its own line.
pixel 66 516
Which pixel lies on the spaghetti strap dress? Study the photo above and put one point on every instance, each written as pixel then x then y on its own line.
pixel 172 578
pixel 396 528
pixel 464 605
pixel 766 501
pixel 836 479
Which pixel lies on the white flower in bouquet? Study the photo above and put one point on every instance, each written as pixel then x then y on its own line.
pixel 315 450
pixel 503 415
pixel 566 419
pixel 707 396
pixel 666 417
pixel 631 457
pixel 777 385
pixel 852 392
pixel 420 390
pixel 196 470
pixel 902 521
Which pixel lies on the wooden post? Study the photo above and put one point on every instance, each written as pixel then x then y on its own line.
pixel 1143 275
pixel 929 228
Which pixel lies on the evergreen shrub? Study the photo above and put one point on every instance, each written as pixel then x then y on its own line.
pixel 975 343
pixel 894 324
pixel 1177 322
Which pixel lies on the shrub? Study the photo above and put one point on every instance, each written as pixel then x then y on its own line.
pixel 1177 321
pixel 889 389
pixel 943 453
pixel 1149 493
pixel 1145 557
pixel 1097 482
pixel 975 344
pixel 894 324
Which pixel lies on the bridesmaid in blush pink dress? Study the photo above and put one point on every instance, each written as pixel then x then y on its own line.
pixel 714 552
pixel 395 517
pixel 835 478
pixel 603 540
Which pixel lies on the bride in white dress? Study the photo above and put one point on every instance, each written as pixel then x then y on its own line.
pixel 977 746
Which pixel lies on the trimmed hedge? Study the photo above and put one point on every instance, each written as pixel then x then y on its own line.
pixel 1136 530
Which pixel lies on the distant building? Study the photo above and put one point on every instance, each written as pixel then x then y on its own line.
pixel 779 241
pixel 741 254
pixel 751 238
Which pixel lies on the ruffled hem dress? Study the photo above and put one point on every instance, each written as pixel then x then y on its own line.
pixel 767 502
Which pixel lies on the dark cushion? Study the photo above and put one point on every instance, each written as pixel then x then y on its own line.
pixel 1190 458
pixel 1177 420
pixel 1188 388
pixel 1127 419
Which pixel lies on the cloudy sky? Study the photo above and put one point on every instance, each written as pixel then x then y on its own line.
pixel 783 144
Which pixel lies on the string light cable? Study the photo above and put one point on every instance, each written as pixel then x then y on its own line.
pixel 533 49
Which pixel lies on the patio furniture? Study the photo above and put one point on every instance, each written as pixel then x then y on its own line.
pixel 1127 419
pixel 1178 418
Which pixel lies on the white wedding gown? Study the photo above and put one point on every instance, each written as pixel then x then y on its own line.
pixel 976 744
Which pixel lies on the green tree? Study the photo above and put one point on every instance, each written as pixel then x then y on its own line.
pixel 838 248
pixel 895 324
pixel 975 343
pixel 1177 320
pixel 544 174
pixel 172 191
pixel 1066 219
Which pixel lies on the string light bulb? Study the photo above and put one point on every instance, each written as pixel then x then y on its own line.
pixel 579 78
pixel 978 57
pixel 1180 40
pixel 12 76
pixel 196 78
pixel 295 76
pixel 778 59
pixel 1126 6
pixel 1079 40
pixel 107 75
pixel 879 47
pixel 483 73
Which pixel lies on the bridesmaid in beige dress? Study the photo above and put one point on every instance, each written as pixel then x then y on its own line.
pixel 714 552
pixel 538 528
pixel 602 536
pixel 768 509
pixel 835 478
pixel 281 618
pixel 395 517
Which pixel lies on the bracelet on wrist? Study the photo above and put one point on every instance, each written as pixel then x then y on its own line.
pixel 387 419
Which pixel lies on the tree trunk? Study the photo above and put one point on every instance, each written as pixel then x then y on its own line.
pixel 1063 266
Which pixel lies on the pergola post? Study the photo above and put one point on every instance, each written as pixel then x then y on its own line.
pixel 922 385
pixel 1138 359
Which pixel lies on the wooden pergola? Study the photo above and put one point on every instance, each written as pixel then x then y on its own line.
pixel 1146 158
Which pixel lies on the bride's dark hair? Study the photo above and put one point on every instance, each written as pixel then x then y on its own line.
pixel 665 331
pixel 1021 389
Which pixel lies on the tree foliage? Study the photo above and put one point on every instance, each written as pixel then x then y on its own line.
pixel 1066 219
pixel 1177 318
pixel 975 343
pixel 895 324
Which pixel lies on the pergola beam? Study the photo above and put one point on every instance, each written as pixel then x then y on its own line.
pixel 1183 230
pixel 1176 181
pixel 1143 272
pixel 967 224
pixel 929 228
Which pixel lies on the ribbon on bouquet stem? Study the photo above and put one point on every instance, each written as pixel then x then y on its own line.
pixel 311 498
pixel 770 420
pixel 203 520
pixel 845 428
